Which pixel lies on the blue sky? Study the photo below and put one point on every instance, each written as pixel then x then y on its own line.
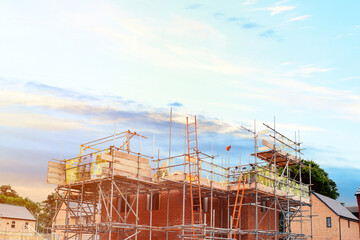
pixel 69 70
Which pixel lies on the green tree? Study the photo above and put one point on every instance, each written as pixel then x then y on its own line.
pixel 320 180
pixel 7 191
pixel 9 196
pixel 43 212
pixel 48 211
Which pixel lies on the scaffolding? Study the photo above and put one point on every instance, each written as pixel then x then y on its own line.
pixel 115 192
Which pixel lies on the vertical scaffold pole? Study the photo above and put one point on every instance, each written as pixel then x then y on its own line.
pixel 256 186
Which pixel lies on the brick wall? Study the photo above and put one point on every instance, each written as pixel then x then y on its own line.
pixel 320 229
pixel 159 217
pixel 6 223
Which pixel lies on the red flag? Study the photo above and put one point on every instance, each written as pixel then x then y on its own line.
pixel 228 148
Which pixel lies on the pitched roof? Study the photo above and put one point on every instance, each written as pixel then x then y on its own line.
pixel 13 211
pixel 353 209
pixel 336 207
pixel 357 192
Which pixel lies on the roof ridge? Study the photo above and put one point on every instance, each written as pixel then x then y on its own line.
pixel 336 207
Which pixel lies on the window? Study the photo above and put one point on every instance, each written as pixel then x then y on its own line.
pixel 12 224
pixel 328 222
pixel 87 220
pixel 263 203
pixel 155 202
pixel 26 225
pixel 348 223
pixel 282 223
pixel 204 203
pixel 122 206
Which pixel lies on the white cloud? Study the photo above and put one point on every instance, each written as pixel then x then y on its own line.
pixel 299 18
pixel 281 2
pixel 186 27
pixel 157 42
pixel 312 69
pixel 279 9
pixel 353 32
pixel 10 98
pixel 351 78
pixel 40 121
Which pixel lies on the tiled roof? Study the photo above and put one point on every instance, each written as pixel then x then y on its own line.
pixel 336 207
pixel 13 211
pixel 357 192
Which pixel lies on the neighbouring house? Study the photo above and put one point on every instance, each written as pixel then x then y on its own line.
pixel 354 210
pixel 16 219
pixel 331 220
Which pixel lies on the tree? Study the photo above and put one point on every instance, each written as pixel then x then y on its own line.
pixel 48 210
pixel 9 196
pixel 43 212
pixel 7 191
pixel 321 183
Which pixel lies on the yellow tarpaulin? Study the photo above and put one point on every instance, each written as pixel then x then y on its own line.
pixel 72 170
pixel 97 165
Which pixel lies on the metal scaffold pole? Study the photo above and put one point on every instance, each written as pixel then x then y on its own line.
pixel 116 194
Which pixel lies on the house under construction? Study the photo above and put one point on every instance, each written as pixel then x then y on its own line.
pixel 111 191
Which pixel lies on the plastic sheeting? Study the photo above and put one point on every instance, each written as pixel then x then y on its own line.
pixel 97 166
pixel 72 170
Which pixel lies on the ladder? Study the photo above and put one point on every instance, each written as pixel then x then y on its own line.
pixel 236 211
pixel 194 175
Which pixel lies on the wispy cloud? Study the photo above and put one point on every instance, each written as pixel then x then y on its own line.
pixel 305 71
pixel 355 29
pixel 279 9
pixel 143 41
pixel 40 121
pixel 86 114
pixel 351 78
pixel 185 26
pixel 312 69
pixel 299 18
pixel 281 2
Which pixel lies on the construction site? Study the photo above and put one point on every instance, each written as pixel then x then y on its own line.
pixel 113 190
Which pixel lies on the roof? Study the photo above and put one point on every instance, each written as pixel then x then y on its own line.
pixel 357 192
pixel 13 211
pixel 353 209
pixel 336 207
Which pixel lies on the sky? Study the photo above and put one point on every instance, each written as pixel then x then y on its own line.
pixel 72 70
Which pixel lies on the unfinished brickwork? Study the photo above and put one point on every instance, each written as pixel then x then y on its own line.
pixel 124 194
